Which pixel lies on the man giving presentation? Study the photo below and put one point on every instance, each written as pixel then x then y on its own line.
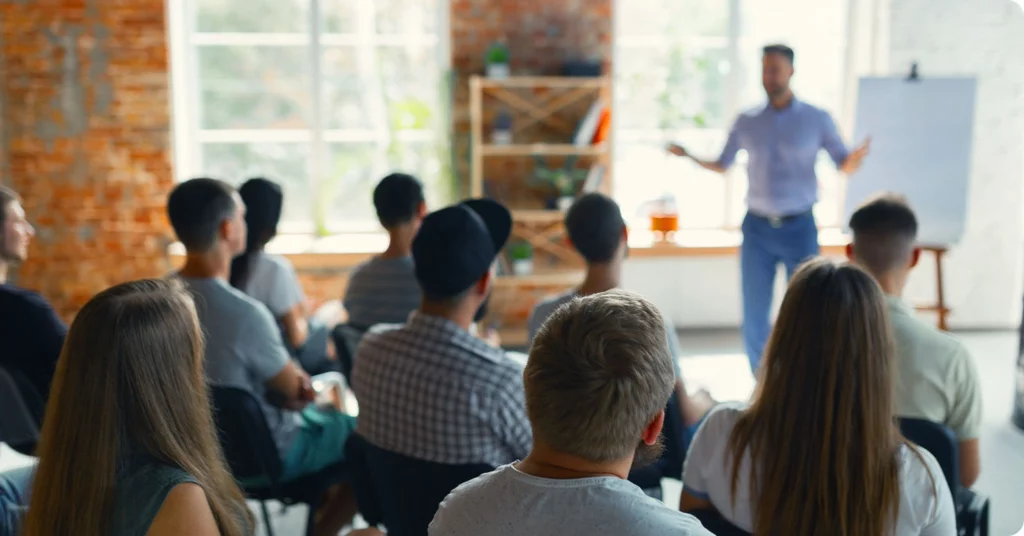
pixel 782 140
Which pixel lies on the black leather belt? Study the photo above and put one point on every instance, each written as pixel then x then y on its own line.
pixel 779 221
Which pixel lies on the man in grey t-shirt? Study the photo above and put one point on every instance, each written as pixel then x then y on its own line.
pixel 243 343
pixel 601 355
pixel 384 290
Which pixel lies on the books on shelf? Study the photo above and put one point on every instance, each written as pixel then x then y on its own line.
pixel 589 125
pixel 594 179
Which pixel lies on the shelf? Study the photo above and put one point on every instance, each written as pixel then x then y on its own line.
pixel 559 279
pixel 537 216
pixel 543 81
pixel 543 149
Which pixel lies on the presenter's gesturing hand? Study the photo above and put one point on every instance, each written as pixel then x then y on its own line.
pixel 856 157
pixel 678 150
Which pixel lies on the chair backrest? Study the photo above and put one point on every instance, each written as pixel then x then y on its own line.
pixel 940 441
pixel 17 424
pixel 717 525
pixel 346 339
pixel 401 492
pixel 244 435
pixel 670 465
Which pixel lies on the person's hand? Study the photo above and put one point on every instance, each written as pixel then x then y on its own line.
pixel 677 150
pixel 856 157
pixel 372 531
pixel 306 391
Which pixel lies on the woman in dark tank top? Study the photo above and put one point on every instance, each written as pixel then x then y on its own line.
pixel 128 445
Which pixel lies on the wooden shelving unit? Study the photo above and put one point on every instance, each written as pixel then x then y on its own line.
pixel 545 115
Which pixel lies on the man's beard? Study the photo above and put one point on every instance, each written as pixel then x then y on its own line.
pixel 648 454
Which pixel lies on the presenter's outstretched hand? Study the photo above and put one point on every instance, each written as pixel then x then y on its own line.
pixel 677 150
pixel 856 157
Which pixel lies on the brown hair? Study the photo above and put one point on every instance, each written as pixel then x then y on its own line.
pixel 7 195
pixel 820 431
pixel 129 380
pixel 599 371
pixel 884 232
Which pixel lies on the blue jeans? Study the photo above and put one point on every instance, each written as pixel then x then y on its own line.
pixel 765 246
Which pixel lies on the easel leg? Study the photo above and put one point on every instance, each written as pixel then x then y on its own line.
pixel 941 298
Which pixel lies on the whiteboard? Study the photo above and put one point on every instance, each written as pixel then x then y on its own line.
pixel 921 135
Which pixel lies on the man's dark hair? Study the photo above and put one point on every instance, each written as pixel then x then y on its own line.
pixel 397 199
pixel 884 231
pixel 7 196
pixel 781 50
pixel 594 224
pixel 196 209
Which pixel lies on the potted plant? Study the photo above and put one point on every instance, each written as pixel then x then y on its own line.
pixel 564 182
pixel 502 132
pixel 521 254
pixel 497 61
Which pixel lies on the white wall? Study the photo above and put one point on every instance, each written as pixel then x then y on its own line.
pixel 984 274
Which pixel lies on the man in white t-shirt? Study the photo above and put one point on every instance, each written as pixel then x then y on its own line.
pixel 937 379
pixel 597 380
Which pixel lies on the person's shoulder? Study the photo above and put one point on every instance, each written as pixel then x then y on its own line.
pixel 725 413
pixel 547 305
pixel 23 299
pixel 470 497
pixel 278 263
pixel 222 296
pixel 925 339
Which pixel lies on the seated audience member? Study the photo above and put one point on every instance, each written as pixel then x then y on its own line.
pixel 271 279
pixel 817 451
pixel 598 232
pixel 429 389
pixel 383 290
pixel 936 378
pixel 597 380
pixel 31 331
pixel 243 344
pixel 14 488
pixel 128 445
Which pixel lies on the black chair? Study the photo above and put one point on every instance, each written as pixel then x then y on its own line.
pixel 972 509
pixel 251 453
pixel 18 425
pixel 346 338
pixel 401 492
pixel 670 465
pixel 716 524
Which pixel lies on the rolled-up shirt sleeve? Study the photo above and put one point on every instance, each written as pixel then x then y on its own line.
pixel 831 141
pixel 732 146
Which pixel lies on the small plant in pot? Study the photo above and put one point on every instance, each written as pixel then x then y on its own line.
pixel 497 61
pixel 564 182
pixel 502 132
pixel 521 254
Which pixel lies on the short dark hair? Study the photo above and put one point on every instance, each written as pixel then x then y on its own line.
pixel 7 196
pixel 196 209
pixel 397 199
pixel 781 50
pixel 594 224
pixel 884 231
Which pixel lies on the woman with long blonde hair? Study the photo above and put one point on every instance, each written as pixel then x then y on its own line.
pixel 128 444
pixel 817 451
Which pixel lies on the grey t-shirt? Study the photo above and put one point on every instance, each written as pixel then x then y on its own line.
pixel 545 307
pixel 382 291
pixel 508 502
pixel 272 281
pixel 243 348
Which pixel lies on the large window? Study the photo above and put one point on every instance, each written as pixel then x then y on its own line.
pixel 686 68
pixel 323 96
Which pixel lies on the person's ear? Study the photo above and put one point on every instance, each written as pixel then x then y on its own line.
pixel 421 210
pixel 849 251
pixel 483 285
pixel 915 257
pixel 653 429
pixel 225 230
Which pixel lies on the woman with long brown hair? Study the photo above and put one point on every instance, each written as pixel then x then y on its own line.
pixel 128 444
pixel 817 451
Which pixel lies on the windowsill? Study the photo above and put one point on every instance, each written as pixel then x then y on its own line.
pixel 310 252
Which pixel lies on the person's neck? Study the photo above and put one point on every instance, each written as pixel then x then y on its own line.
pixel 892 284
pixel 399 242
pixel 781 101
pixel 545 462
pixel 212 264
pixel 3 272
pixel 462 315
pixel 600 278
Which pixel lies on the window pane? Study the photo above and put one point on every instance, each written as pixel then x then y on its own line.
pixel 285 16
pixel 406 16
pixel 339 16
pixel 284 163
pixel 410 75
pixel 344 86
pixel 253 87
pixel 667 17
pixel 348 185
pixel 423 160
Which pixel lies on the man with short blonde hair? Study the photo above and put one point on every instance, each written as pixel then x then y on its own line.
pixel 597 381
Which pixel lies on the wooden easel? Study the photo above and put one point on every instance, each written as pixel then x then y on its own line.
pixel 939 307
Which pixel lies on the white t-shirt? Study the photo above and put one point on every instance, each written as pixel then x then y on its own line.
pixel 924 510
pixel 508 502
pixel 272 281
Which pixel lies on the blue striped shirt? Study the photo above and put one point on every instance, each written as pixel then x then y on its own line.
pixel 382 291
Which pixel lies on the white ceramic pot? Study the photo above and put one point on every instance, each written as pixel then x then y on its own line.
pixel 501 137
pixel 565 202
pixel 498 71
pixel 522 267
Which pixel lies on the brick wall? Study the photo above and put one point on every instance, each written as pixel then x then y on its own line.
pixel 85 115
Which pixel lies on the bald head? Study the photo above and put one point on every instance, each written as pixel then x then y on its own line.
pixel 884 234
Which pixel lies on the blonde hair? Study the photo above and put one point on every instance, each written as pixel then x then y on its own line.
pixel 129 380
pixel 599 371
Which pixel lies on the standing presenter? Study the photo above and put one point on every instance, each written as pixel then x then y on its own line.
pixel 782 140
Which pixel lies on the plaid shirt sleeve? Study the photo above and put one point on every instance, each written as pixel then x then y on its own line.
pixel 511 424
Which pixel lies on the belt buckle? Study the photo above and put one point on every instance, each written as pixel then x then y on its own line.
pixel 775 222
